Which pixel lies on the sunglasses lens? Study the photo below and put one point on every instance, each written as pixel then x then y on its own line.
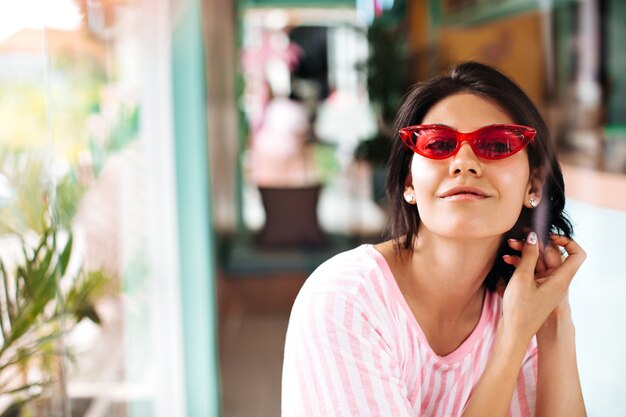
pixel 436 143
pixel 498 143
pixel 491 142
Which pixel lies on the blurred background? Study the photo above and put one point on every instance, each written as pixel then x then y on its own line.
pixel 172 170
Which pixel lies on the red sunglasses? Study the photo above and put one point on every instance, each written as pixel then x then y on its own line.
pixel 489 142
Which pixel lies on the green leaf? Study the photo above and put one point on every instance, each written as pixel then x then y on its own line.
pixel 5 304
pixel 64 259
pixel 22 323
pixel 79 300
pixel 15 409
pixel 34 349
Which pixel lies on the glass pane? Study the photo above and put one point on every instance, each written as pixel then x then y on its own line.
pixel 78 290
pixel 33 243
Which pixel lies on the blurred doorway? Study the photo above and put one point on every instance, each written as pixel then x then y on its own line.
pixel 306 109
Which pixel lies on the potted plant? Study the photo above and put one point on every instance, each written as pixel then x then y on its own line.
pixel 41 300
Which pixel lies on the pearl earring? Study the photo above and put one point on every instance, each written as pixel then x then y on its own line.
pixel 409 197
pixel 533 202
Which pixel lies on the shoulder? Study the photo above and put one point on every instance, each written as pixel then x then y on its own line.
pixel 346 274
pixel 349 294
pixel 358 280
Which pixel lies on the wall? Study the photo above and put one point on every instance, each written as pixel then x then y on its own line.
pixel 512 44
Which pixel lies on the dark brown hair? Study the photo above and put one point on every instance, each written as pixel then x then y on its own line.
pixel 489 83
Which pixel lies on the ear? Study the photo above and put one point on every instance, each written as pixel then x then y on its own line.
pixel 408 183
pixel 409 191
pixel 534 188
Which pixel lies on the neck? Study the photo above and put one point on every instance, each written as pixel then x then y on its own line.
pixel 447 274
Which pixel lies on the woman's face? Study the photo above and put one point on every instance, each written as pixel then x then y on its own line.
pixel 502 187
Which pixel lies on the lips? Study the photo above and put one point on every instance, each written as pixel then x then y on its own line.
pixel 465 192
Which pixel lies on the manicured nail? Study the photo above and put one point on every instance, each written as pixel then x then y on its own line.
pixel 532 238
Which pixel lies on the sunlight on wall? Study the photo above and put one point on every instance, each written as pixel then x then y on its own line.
pixel 37 14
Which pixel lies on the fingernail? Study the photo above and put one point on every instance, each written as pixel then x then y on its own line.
pixel 532 238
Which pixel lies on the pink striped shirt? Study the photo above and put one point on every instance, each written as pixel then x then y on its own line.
pixel 354 348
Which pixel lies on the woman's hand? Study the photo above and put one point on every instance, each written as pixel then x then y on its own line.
pixel 558 383
pixel 551 256
pixel 537 291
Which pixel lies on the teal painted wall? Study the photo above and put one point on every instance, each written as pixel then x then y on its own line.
pixel 196 237
pixel 486 11
pixel 297 3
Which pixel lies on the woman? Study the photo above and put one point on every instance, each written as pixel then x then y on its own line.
pixel 464 311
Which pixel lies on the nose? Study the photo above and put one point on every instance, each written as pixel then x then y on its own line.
pixel 465 162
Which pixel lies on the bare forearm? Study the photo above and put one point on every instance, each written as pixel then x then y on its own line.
pixel 558 383
pixel 492 395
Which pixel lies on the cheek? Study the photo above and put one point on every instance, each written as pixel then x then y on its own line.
pixel 425 174
pixel 513 183
pixel 512 189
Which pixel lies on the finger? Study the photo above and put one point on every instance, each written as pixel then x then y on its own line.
pixel 511 260
pixel 541 262
pixel 530 254
pixel 552 256
pixel 572 250
pixel 563 275
pixel 516 244
pixel 540 276
pixel 570 246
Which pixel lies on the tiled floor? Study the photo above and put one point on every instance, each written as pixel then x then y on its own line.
pixel 253 320
pixel 252 358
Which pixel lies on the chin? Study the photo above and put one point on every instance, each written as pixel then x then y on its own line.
pixel 467 231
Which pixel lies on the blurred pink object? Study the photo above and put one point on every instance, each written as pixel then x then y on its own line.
pixel 279 155
pixel 283 131
pixel 254 59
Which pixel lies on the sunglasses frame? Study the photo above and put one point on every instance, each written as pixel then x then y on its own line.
pixel 528 136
